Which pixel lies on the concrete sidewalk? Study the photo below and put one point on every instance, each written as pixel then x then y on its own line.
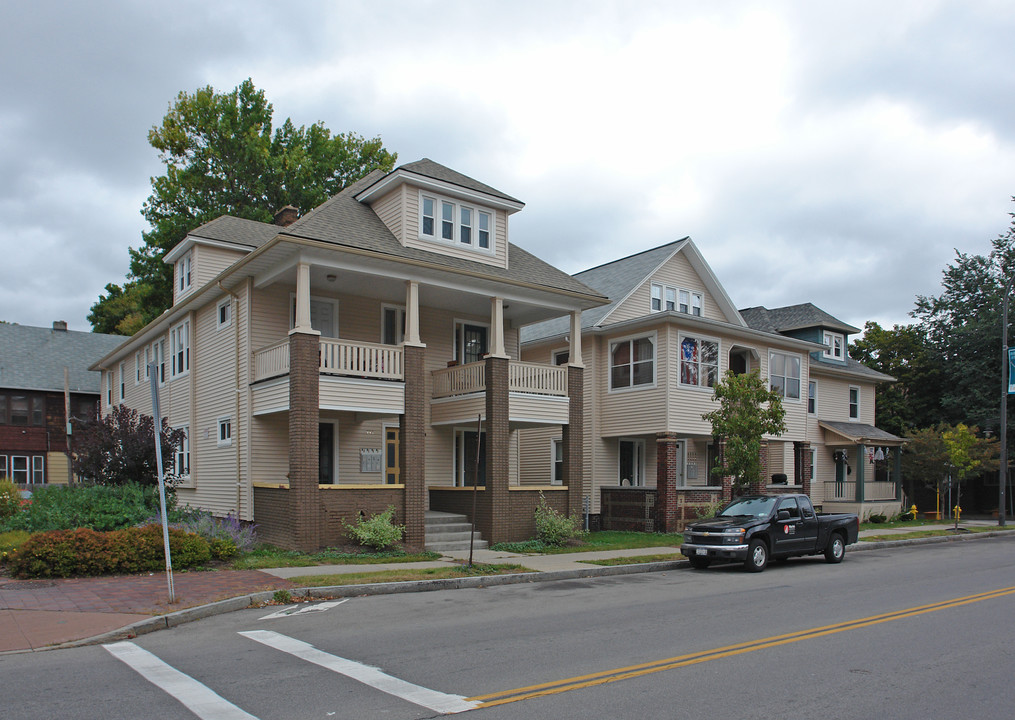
pixel 42 614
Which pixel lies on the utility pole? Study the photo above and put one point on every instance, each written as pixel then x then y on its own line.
pixel 1005 386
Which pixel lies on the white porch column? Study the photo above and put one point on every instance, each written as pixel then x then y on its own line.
pixel 412 314
pixel 574 353
pixel 303 299
pixel 497 325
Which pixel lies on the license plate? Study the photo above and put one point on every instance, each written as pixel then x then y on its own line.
pixel 700 551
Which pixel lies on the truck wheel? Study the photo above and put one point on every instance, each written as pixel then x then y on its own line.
pixel 757 556
pixel 836 549
pixel 699 563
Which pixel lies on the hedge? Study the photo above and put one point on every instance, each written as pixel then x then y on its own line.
pixel 69 553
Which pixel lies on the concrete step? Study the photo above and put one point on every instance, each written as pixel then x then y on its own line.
pixel 434 517
pixel 450 531
pixel 451 536
pixel 442 547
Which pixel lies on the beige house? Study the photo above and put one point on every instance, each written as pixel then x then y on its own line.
pixel 652 356
pixel 333 365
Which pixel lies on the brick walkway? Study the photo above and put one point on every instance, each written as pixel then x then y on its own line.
pixel 141 594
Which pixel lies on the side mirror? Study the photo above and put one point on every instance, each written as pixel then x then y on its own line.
pixel 783 515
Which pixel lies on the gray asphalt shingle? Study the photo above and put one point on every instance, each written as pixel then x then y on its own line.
pixel 33 358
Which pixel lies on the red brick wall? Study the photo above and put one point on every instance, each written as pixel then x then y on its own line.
pixel 667 459
pixel 412 445
pixel 518 524
pixel 304 417
pixel 497 447
pixel 573 440
pixel 347 504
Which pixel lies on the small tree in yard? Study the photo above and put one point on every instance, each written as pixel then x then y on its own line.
pixel 120 448
pixel 747 410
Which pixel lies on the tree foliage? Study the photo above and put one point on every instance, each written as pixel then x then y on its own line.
pixel 903 352
pixel 934 453
pixel 119 448
pixel 222 157
pixel 747 410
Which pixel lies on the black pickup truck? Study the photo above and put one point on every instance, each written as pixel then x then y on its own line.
pixel 757 528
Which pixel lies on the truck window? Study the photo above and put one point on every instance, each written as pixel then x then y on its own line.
pixel 790 505
pixel 806 509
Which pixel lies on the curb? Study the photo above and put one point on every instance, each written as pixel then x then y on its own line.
pixel 199 612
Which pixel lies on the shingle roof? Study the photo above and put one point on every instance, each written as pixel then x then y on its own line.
pixel 853 367
pixel 861 433
pixel 344 221
pixel 33 358
pixel 237 231
pixel 429 168
pixel 793 317
pixel 615 280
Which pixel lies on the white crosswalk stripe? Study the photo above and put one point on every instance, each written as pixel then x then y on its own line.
pixel 198 698
pixel 374 677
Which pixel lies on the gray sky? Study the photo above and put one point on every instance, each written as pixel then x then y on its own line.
pixel 836 153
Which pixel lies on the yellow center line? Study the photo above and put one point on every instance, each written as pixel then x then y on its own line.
pixel 631 671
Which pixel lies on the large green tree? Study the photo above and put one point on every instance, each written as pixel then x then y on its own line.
pixel 222 157
pixel 747 410
pixel 913 401
pixel 962 326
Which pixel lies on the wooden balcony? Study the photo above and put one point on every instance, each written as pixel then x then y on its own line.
pixel 338 357
pixel 537 394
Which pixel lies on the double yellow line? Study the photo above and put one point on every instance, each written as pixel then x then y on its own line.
pixel 607 676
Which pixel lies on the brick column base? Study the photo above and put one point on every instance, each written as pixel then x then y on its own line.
pixel 304 415
pixel 573 441
pixel 412 445
pixel 497 449
pixel 667 514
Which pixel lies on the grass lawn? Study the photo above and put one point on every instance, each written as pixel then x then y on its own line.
pixel 917 533
pixel 635 560
pixel 441 573
pixel 915 524
pixel 602 540
pixel 271 557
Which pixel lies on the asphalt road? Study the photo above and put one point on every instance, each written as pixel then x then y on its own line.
pixel 923 632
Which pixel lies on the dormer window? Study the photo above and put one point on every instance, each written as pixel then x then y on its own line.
pixel 183 270
pixel 834 346
pixel 462 224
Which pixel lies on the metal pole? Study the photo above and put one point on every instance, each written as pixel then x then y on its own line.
pixel 1003 470
pixel 157 423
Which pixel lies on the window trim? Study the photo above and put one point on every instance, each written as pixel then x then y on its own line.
pixel 458 340
pixel 812 400
pixel 226 303
pixel 3 467
pixel 799 378
pixel 27 470
pixel 399 323
pixel 652 337
pixel 179 346
pixel 556 447
pixel 850 403
pixel 37 472
pixel 829 351
pixel 123 381
pixel 224 422
pixel 663 295
pixel 458 209
pixel 680 360
pixel 185 269
pixel 183 451
pixel 641 460
pixel 109 388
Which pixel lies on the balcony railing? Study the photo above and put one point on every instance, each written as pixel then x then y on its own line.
pixel 338 357
pixel 846 491
pixel 531 378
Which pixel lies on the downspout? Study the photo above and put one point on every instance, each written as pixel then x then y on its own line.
pixel 235 310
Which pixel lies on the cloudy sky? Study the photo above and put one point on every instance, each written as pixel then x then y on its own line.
pixel 829 152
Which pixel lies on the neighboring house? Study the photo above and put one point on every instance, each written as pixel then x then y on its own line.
pixel 327 367
pixel 652 356
pixel 45 387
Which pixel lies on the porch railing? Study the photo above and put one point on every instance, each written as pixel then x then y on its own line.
pixel 272 360
pixel 459 380
pixel 369 360
pixel 846 491
pixel 537 378
pixel 523 377
pixel 338 357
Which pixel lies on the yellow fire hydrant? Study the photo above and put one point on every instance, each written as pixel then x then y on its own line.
pixel 912 510
pixel 958 513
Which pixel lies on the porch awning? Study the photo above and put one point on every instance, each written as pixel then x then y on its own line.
pixel 860 434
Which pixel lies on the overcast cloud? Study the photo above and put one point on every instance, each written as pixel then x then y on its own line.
pixel 836 153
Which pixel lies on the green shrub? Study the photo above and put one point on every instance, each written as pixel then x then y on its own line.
pixel 69 553
pixel 904 516
pixel 555 529
pixel 282 597
pixel 378 532
pixel 10 499
pixel 222 548
pixel 876 518
pixel 96 507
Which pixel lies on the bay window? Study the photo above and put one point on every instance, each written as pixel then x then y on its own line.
pixel 632 362
pixel 784 374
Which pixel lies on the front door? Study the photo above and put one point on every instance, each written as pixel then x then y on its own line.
pixel 472 343
pixel 631 467
pixel 326 450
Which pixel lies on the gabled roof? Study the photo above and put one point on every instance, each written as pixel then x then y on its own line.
pixel 245 235
pixel 619 278
pixel 33 358
pixel 793 317
pixel 346 222
pixel 428 168
pixel 427 173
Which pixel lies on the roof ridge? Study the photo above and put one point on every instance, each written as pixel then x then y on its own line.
pixel 632 255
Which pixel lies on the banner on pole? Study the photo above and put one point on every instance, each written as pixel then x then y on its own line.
pixel 1011 371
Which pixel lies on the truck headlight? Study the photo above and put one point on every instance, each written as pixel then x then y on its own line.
pixel 732 537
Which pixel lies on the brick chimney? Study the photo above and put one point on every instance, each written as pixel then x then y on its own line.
pixel 286 216
pixel 60 325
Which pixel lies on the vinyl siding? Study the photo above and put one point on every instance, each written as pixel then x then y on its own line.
pixel 413 239
pixel 391 209
pixel 210 261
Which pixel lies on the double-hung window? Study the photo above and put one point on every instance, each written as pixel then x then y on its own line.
pixel 812 398
pixel 181 460
pixel 632 362
pixel 834 344
pixel 223 314
pixel 225 432
pixel 665 297
pixel 784 374
pixel 392 324
pixel 460 223
pixel 699 362
pixel 179 344
pixel 183 269
pixel 854 402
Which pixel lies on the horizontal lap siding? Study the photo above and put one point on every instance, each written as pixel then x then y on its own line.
pixel 354 436
pixel 269 448
pixel 677 272
pixel 269 317
pixel 391 210
pixel 536 455
pixel 635 410
pixel 412 238
pixel 208 262
pixel 538 409
pixel 361 395
pixel 271 396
